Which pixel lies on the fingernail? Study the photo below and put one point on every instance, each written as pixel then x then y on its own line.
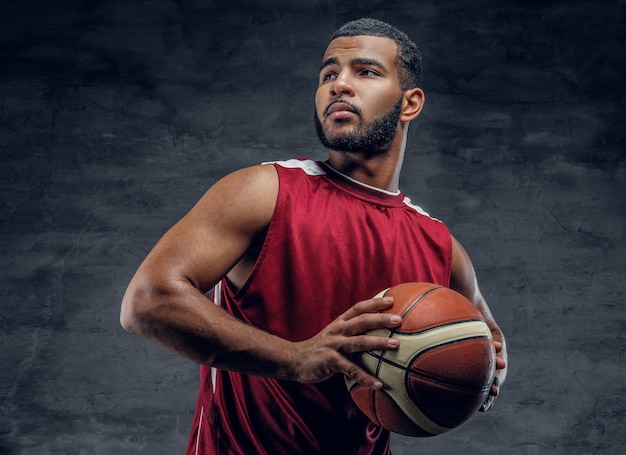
pixel 395 319
pixel 388 299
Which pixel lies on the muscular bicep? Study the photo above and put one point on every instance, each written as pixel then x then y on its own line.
pixel 463 276
pixel 204 245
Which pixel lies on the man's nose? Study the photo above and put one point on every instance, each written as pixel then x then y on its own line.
pixel 342 85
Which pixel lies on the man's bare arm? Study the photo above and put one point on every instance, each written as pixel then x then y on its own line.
pixel 165 300
pixel 463 280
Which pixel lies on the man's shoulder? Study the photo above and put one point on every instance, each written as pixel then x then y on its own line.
pixel 249 191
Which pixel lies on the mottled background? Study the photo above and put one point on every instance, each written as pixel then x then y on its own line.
pixel 116 116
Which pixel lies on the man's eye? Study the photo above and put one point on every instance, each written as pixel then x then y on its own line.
pixel 329 76
pixel 369 73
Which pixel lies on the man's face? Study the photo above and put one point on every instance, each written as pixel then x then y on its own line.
pixel 358 99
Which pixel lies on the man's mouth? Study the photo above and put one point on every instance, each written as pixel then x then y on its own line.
pixel 340 110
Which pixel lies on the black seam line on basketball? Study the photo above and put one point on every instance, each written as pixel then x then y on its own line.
pixel 449 343
pixel 373 397
pixel 419 354
pixel 392 331
pixel 395 330
pixel 424 294
pixel 437 378
pixel 404 313
pixel 381 357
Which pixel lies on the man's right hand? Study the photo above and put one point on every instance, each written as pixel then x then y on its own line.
pixel 331 350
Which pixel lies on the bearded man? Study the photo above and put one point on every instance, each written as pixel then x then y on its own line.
pixel 291 253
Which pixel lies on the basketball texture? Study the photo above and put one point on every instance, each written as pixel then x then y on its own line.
pixel 442 371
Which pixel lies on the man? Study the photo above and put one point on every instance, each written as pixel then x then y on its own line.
pixel 293 252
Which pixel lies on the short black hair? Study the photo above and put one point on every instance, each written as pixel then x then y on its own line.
pixel 409 58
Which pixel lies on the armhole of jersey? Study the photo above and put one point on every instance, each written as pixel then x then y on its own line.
pixel 223 286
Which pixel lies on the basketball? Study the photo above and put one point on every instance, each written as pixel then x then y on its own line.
pixel 442 371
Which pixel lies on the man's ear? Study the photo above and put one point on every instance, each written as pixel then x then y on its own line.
pixel 412 103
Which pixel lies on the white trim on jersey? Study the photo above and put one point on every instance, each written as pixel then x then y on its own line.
pixel 217 297
pixel 364 185
pixel 199 429
pixel 418 209
pixel 310 167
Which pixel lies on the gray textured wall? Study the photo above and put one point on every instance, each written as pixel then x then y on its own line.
pixel 116 116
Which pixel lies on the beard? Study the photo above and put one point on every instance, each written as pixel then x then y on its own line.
pixel 371 138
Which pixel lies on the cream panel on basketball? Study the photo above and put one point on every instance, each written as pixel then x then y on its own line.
pixel 410 347
pixel 413 344
pixel 370 360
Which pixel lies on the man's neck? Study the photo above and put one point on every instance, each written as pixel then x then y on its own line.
pixel 380 171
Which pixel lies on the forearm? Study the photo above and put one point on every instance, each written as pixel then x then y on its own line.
pixel 183 320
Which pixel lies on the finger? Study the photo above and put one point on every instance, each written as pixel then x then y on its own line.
pixel 364 343
pixel 358 374
pixel 500 363
pixel 370 321
pixel 367 306
pixel 494 390
pixel 497 345
pixel 488 404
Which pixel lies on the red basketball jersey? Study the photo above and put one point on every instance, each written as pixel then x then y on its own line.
pixel 331 243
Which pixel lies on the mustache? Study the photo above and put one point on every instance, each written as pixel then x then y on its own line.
pixel 352 107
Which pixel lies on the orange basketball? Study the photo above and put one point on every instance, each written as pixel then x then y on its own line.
pixel 443 369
